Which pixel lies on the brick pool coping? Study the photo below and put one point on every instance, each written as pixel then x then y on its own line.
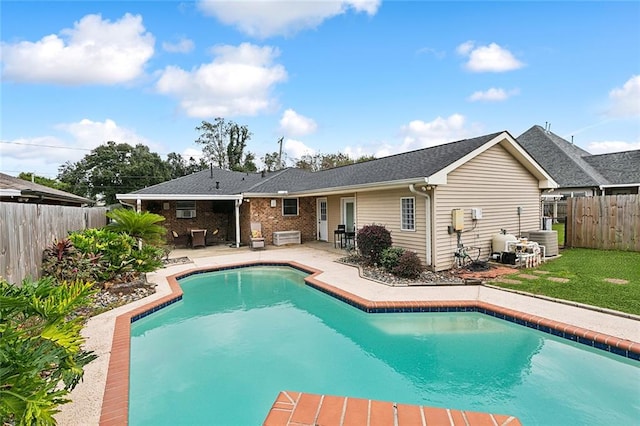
pixel 115 402
pixel 297 408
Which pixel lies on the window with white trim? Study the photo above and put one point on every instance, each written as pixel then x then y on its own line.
pixel 289 207
pixel 407 214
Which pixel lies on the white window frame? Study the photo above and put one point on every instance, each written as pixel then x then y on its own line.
pixel 297 207
pixel 406 214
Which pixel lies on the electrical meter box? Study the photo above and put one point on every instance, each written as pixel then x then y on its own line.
pixel 476 213
pixel 457 219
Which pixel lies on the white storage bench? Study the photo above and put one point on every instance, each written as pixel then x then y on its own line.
pixel 286 237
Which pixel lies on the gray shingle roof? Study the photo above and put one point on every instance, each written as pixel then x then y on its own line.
pixel 204 182
pixel 618 167
pixel 34 189
pixel 405 166
pixel 564 161
pixel 408 165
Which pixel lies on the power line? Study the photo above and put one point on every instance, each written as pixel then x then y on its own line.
pixel 46 146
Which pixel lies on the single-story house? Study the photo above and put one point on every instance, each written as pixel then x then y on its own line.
pixel 15 190
pixel 430 199
pixel 579 173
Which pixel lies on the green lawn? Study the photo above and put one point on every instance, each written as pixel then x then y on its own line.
pixel 560 228
pixel 586 270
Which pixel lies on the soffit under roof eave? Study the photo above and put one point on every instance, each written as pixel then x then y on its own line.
pixel 177 197
pixel 10 193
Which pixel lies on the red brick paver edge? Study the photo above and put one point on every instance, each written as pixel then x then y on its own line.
pixel 297 408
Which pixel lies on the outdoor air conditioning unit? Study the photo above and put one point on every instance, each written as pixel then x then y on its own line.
pixel 185 214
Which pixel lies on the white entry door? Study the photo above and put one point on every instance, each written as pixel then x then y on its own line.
pixel 323 229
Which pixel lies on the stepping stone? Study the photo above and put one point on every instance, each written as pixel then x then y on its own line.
pixel 507 281
pixel 558 280
pixel 541 272
pixel 527 276
pixel 616 281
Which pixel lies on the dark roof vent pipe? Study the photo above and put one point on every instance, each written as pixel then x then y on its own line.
pixel 217 185
pixel 263 174
pixel 211 168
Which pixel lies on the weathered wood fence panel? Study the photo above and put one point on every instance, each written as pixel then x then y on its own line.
pixel 604 222
pixel 27 229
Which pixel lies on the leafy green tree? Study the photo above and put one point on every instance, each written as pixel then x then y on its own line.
pixel 113 168
pixel 41 355
pixel 319 161
pixel 40 180
pixel 224 143
pixel 273 162
pixel 179 167
pixel 143 225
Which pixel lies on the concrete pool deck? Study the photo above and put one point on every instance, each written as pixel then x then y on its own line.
pixel 86 407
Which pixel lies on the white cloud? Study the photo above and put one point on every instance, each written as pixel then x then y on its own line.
pixel 491 58
pixel 419 134
pixel 183 45
pixel 296 149
pixel 237 82
pixel 493 95
pixel 604 147
pixel 626 100
pixel 44 154
pixel 94 51
pixel 265 18
pixel 294 124
pixel 431 51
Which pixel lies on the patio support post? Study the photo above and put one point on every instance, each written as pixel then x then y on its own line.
pixel 138 205
pixel 238 202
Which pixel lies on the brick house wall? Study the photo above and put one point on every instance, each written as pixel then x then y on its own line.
pixel 210 215
pixel 272 220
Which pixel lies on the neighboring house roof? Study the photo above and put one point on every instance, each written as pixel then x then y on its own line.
pixel 618 168
pixel 23 190
pixel 560 158
pixel 427 165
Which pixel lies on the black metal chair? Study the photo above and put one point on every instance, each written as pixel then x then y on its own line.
pixel 339 234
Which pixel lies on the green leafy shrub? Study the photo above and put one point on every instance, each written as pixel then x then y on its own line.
pixel 41 358
pixel 409 266
pixel 111 252
pixel 62 261
pixel 372 241
pixel 100 255
pixel 390 256
pixel 142 225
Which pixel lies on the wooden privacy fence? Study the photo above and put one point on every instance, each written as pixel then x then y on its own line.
pixel 604 222
pixel 27 229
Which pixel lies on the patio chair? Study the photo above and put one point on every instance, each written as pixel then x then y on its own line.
pixel 198 237
pixel 256 240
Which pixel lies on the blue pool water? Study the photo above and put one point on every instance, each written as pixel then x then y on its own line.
pixel 221 355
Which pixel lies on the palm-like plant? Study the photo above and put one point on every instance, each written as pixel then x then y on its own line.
pixel 142 225
pixel 41 358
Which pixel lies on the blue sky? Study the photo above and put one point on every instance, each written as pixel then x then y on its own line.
pixel 357 76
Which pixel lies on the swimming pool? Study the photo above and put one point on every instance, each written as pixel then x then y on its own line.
pixel 238 337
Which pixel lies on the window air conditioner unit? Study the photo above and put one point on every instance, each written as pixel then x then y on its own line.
pixel 185 214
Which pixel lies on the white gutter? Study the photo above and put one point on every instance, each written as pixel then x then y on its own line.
pixel 350 188
pixel 428 223
pixel 181 197
pixel 624 185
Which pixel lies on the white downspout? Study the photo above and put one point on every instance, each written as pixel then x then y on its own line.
pixel 428 224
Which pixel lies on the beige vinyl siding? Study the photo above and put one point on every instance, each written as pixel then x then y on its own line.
pixel 383 208
pixel 498 184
